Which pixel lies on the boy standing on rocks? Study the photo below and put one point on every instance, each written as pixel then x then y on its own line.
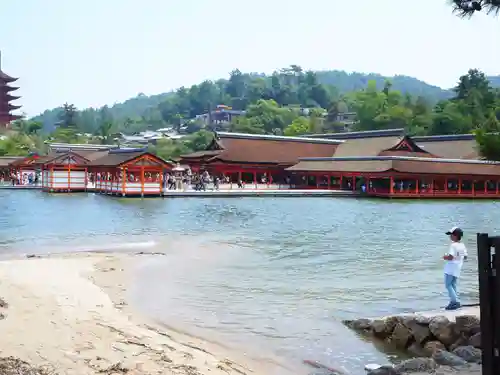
pixel 454 261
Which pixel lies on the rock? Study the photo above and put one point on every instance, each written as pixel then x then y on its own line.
pixel 431 346
pixel 390 323
pixel 443 330
pixel 424 320
pixel 467 324
pixel 416 350
pixel 445 358
pixel 420 332
pixel 384 370
pixel 475 340
pixel 384 328
pixel 416 365
pixel 379 329
pixel 469 353
pixel 401 336
pixel 359 324
pixel 461 341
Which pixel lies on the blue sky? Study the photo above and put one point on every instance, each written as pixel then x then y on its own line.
pixel 97 52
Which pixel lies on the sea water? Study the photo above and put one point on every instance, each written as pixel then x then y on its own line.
pixel 273 277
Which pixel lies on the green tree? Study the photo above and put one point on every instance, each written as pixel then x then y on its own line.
pixel 16 145
pixel 449 119
pixel 68 117
pixel 368 105
pixel 65 135
pixel 270 115
pixel 105 132
pixel 198 141
pixel 28 127
pixel 301 125
pixel 488 138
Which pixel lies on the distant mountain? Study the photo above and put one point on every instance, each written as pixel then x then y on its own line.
pixel 344 82
pixel 347 82
pixel 130 108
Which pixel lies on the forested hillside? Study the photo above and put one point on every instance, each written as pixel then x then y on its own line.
pixel 143 111
pixel 275 105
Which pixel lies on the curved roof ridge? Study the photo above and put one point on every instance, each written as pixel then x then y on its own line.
pixel 269 137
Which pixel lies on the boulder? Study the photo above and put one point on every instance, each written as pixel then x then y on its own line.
pixel 359 324
pixel 420 319
pixel 401 336
pixel 443 330
pixel 420 331
pixel 445 358
pixel 416 350
pixel 461 341
pixel 431 346
pixel 390 323
pixel 384 328
pixel 475 340
pixel 467 324
pixel 469 353
pixel 416 365
pixel 379 329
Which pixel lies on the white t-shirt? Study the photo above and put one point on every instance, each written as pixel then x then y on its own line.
pixel 458 251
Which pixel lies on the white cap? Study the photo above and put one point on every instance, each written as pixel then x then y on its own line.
pixel 455 230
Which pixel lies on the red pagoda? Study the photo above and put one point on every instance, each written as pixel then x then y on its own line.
pixel 6 98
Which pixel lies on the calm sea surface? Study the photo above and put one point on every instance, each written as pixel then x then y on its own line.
pixel 272 277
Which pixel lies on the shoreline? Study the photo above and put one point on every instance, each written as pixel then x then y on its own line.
pixel 69 313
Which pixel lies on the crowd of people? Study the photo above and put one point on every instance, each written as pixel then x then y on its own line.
pixel 19 178
pixel 198 181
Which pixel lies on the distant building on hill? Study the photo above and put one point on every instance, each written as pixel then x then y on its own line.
pixel 6 98
pixel 347 119
pixel 222 114
pixel 146 137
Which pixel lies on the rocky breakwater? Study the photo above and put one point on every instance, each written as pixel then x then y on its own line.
pixel 443 341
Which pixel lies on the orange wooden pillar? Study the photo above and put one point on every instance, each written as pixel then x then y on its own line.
pixel 160 182
pixel 51 178
pixel 142 181
pixel 69 177
pixel 124 181
pixel 85 178
pixel 459 186
pixel 391 185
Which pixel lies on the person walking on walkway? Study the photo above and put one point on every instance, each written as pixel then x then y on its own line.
pixel 454 260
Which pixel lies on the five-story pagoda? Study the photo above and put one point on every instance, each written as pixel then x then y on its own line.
pixel 6 98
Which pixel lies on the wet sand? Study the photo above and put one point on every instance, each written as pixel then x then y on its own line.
pixel 69 313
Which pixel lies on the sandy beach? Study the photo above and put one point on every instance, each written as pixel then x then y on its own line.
pixel 68 313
